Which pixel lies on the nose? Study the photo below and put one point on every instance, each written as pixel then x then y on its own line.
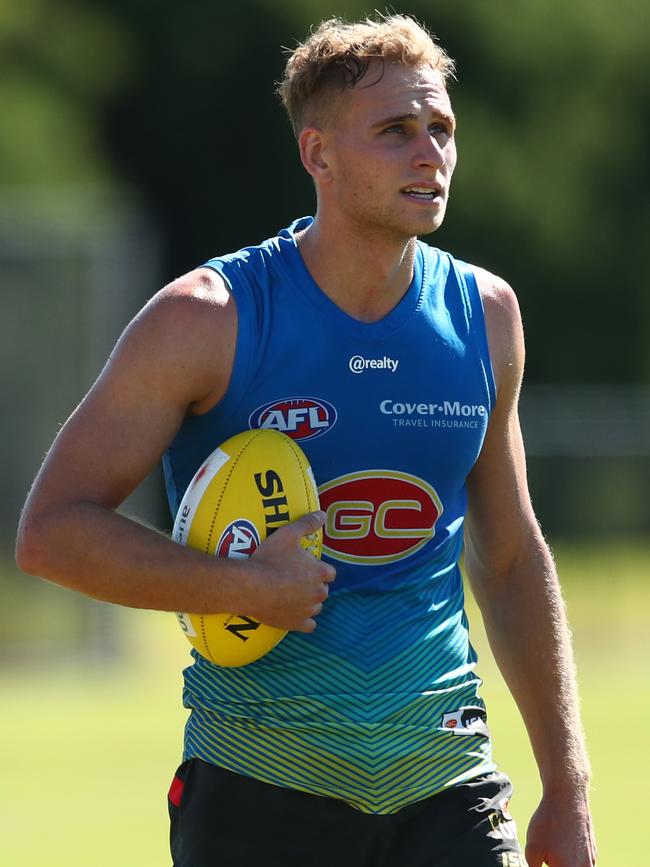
pixel 429 151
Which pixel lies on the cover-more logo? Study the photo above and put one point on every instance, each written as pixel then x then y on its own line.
pixel 445 414
pixel 359 364
pixel 452 408
pixel 377 516
pixel 301 418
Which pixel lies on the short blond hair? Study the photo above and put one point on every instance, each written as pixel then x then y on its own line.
pixel 336 56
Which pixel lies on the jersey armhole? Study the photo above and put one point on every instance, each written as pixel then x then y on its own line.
pixel 476 313
pixel 244 361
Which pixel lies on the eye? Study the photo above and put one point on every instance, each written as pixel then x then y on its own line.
pixel 396 127
pixel 440 128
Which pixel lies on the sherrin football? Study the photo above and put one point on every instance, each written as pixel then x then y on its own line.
pixel 250 486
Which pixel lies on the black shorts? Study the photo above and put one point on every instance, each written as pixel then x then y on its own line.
pixel 222 819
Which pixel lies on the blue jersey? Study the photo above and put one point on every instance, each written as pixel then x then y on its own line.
pixel 379 706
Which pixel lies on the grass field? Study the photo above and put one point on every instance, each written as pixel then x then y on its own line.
pixel 87 752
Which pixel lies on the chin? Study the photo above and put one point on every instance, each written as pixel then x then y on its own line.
pixel 421 227
pixel 432 227
pixel 400 227
pixel 425 225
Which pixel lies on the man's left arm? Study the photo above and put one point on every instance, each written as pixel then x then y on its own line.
pixel 513 577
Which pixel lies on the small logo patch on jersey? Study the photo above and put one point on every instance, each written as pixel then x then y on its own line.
pixel 377 516
pixel 239 540
pixel 359 364
pixel 301 418
pixel 467 720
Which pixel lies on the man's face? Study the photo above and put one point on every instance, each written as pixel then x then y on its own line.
pixel 391 151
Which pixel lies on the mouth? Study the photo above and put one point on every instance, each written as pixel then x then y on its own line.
pixel 423 193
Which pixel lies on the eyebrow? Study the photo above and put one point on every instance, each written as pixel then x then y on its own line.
pixel 411 115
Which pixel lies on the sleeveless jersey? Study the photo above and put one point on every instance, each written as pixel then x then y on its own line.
pixel 379 706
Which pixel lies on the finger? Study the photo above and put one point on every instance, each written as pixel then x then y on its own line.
pixel 307 625
pixel 329 574
pixel 305 526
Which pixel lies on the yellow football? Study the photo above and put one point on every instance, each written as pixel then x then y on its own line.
pixel 249 486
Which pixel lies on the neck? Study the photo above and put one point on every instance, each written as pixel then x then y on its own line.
pixel 363 273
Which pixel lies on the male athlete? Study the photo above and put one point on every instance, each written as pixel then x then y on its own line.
pixel 361 739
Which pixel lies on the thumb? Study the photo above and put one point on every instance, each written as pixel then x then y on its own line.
pixel 532 859
pixel 533 856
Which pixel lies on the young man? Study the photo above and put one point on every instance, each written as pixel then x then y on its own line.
pixel 361 739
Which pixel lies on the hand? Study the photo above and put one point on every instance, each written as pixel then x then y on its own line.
pixel 287 584
pixel 560 833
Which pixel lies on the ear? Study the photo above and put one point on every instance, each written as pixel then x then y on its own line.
pixel 313 153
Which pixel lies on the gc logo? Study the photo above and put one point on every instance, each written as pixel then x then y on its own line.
pixel 377 516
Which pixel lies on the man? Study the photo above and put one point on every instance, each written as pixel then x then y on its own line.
pixel 361 739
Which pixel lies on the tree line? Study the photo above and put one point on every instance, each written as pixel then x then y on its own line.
pixel 176 102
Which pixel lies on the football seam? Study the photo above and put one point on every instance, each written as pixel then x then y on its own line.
pixel 301 468
pixel 303 475
pixel 230 472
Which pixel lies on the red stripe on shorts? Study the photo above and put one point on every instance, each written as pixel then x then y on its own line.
pixel 176 791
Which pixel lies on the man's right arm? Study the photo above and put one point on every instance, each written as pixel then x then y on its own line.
pixel 175 358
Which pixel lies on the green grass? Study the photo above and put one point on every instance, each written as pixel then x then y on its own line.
pixel 608 598
pixel 88 752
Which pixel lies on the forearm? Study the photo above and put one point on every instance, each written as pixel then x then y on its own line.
pixel 96 551
pixel 527 628
pixel 105 555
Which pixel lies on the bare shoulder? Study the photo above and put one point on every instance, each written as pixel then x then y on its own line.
pixel 201 290
pixel 190 307
pixel 189 328
pixel 504 327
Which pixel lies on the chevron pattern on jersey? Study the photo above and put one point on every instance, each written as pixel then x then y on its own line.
pixel 354 710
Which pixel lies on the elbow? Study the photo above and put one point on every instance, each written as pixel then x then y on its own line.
pixel 31 544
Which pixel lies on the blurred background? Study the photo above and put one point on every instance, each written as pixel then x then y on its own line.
pixel 138 140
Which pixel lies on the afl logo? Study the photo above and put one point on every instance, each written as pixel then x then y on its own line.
pixel 301 418
pixel 239 540
pixel 377 516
